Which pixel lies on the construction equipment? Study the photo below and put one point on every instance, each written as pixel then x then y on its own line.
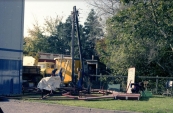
pixel 66 64
pixel 30 77
pixel 31 74
pixel 74 71
pixel 46 68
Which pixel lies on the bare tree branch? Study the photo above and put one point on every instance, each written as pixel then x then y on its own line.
pixel 106 7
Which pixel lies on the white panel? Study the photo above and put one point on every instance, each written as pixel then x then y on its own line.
pixel 131 79
pixel 28 61
pixel 11 24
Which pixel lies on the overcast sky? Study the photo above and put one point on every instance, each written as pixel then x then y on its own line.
pixel 40 9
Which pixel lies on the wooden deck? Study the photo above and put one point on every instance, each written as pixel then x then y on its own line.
pixel 127 96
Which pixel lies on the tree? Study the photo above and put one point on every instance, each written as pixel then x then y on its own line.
pixel 50 38
pixel 51 24
pixel 105 9
pixel 140 36
pixel 55 36
pixel 91 32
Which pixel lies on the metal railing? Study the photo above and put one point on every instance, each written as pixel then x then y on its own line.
pixel 155 84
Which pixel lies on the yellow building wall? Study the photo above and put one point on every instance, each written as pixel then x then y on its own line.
pixel 66 65
pixel 47 67
pixel 77 65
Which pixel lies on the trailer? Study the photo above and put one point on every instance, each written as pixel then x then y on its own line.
pixel 11 46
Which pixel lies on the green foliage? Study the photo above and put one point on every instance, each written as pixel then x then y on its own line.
pixel 54 37
pixel 140 36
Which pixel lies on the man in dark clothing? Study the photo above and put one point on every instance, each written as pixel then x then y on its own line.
pixel 79 82
pixel 60 74
pixel 53 72
pixel 137 87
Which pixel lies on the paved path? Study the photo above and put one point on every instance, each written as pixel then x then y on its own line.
pixel 19 106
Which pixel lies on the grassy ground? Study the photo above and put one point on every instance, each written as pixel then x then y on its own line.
pixel 155 104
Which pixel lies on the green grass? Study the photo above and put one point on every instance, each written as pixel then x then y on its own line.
pixel 156 104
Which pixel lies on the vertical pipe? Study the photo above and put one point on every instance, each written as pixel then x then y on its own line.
pixel 156 84
pixel 72 44
pixel 96 71
pixel 100 81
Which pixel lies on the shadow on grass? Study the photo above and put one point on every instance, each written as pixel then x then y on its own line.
pixel 145 98
pixel 154 96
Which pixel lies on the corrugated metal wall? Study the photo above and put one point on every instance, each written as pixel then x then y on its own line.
pixel 11 46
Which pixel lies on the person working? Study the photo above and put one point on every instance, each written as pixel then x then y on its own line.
pixel 137 87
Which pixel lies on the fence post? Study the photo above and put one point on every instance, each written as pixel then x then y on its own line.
pixel 100 80
pixel 156 83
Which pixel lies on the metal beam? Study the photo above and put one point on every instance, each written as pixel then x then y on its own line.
pixel 116 76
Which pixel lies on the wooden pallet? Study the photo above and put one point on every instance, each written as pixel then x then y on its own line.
pixel 127 96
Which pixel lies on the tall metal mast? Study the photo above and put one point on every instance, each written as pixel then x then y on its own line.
pixel 75 21
pixel 72 43
pixel 79 44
